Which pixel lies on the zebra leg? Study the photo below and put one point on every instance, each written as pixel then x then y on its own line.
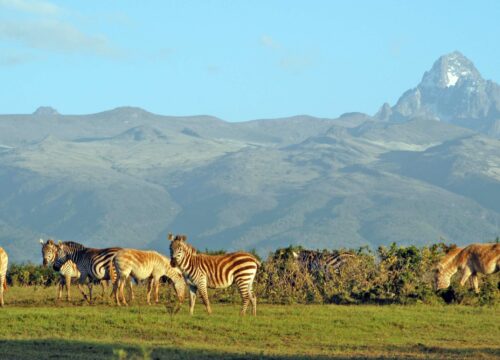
pixel 192 298
pixel 253 300
pixel 90 286
pixel 2 285
pixel 67 280
pixel 246 296
pixel 131 294
pixel 122 293
pixel 475 283
pixel 60 287
pixel 465 276
pixel 254 304
pixel 150 289
pixel 116 291
pixel 157 291
pixel 204 296
pixel 180 289
pixel 80 287
pixel 104 286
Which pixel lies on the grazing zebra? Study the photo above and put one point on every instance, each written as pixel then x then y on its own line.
pixel 67 270
pixel 471 260
pixel 4 261
pixel 317 260
pixel 93 264
pixel 214 271
pixel 145 265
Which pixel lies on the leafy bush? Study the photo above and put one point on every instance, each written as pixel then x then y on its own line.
pixel 392 275
pixel 31 275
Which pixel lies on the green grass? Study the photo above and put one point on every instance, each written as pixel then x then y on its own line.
pixel 32 325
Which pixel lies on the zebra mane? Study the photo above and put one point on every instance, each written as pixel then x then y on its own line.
pixel 191 247
pixel 74 245
pixel 449 259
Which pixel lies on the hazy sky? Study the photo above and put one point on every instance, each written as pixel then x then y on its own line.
pixel 237 60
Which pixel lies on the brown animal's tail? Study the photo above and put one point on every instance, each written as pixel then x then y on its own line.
pixel 5 285
pixel 112 271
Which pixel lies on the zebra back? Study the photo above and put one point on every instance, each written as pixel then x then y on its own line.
pixel 4 261
pixel 94 263
pixel 219 270
pixel 316 260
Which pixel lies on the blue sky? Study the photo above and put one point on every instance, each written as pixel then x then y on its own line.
pixel 237 60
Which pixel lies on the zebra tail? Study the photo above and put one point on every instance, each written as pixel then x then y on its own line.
pixel 112 271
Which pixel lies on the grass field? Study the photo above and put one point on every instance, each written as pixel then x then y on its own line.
pixel 34 326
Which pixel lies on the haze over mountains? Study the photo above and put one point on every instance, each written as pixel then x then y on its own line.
pixel 425 168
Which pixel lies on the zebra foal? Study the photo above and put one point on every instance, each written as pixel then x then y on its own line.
pixel 94 264
pixel 142 265
pixel 214 271
pixel 4 261
pixel 67 271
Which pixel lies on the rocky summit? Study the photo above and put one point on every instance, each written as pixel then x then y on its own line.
pixel 452 91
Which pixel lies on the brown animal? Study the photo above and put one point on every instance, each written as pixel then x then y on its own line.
pixel 471 260
pixel 142 265
pixel 4 261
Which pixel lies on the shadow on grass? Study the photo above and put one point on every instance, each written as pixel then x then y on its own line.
pixel 76 350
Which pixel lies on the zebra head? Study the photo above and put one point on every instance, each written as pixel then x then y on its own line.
pixel 446 268
pixel 49 252
pixel 178 249
pixel 441 281
pixel 62 255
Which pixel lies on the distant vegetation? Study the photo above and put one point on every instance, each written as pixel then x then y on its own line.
pixel 391 275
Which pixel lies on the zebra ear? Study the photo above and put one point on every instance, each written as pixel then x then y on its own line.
pixel 41 241
pixel 59 242
pixel 50 241
pixel 183 237
pixel 170 237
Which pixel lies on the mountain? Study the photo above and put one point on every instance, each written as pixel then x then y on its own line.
pixel 127 177
pixel 452 91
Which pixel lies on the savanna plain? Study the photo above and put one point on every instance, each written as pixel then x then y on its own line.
pixel 35 325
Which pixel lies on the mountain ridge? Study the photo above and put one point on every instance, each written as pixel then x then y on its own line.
pixel 127 177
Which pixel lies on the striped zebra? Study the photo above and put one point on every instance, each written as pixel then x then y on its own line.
pixel 321 260
pixel 214 271
pixel 4 261
pixel 145 265
pixel 93 264
pixel 67 271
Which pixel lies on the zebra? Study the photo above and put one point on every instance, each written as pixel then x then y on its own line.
pixel 4 261
pixel 93 264
pixel 142 265
pixel 214 271
pixel 67 270
pixel 322 261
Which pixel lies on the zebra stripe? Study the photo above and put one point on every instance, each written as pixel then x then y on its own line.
pixel 322 261
pixel 68 271
pixel 145 265
pixel 93 264
pixel 4 261
pixel 214 271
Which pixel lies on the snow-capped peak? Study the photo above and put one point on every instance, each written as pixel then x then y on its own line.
pixel 448 70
